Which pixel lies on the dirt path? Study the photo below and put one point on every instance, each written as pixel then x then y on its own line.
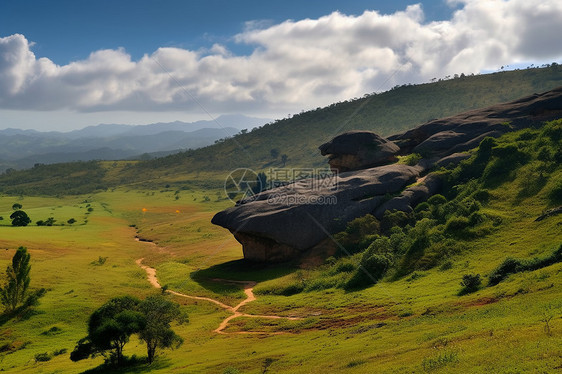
pixel 248 290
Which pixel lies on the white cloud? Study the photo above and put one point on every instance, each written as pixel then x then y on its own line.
pixel 294 64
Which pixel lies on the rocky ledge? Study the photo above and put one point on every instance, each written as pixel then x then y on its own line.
pixel 298 219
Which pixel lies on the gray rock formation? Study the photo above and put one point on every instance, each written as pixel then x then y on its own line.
pixel 442 137
pixel 298 219
pixel 356 150
pixel 277 224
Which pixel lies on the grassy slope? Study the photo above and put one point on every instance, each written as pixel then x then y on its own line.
pixel 298 137
pixel 414 324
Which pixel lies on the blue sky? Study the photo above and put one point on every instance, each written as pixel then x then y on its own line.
pixel 69 64
pixel 69 30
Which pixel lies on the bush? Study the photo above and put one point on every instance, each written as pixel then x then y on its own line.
pixel 42 357
pixel 470 283
pixel 372 268
pixel 421 207
pixel 512 266
pixel 508 266
pixel 436 200
pixel 457 225
pixel 358 233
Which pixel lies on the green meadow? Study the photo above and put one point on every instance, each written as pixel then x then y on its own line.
pixel 416 323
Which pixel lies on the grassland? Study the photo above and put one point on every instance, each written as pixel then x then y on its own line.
pixel 414 324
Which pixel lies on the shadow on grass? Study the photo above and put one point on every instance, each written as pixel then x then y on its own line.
pixel 240 270
pixel 131 365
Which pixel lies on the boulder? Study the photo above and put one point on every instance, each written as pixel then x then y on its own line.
pixel 356 150
pixel 452 159
pixel 281 223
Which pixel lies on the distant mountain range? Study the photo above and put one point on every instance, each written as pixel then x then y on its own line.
pixel 24 148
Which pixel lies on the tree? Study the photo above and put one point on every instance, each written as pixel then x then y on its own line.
pixel 17 206
pixel 284 159
pixel 20 218
pixel 17 274
pixel 274 152
pixel 157 333
pixel 71 221
pixel 109 329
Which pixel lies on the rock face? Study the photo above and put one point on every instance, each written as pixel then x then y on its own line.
pixel 277 224
pixel 298 219
pixel 356 150
pixel 443 137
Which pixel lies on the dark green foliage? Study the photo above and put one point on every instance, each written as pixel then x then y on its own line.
pixel 20 218
pixel 358 234
pixel 48 222
pixel 71 221
pixel 109 329
pixel 394 219
pixel 69 178
pixel 371 268
pixel 456 226
pixel 437 200
pixel 17 206
pixel 42 357
pixel 157 333
pixel 470 283
pixel 422 207
pixel 14 292
pixel 512 266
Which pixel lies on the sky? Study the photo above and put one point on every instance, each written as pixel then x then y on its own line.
pixel 68 64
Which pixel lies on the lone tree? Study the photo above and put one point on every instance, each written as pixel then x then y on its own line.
pixel 20 218
pixel 109 329
pixel 17 274
pixel 17 206
pixel 284 159
pixel 157 333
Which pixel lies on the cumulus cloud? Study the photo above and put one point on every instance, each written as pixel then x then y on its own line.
pixel 294 65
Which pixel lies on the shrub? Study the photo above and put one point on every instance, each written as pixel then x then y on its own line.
pixel 456 225
pixel 436 200
pixel 508 266
pixel 372 268
pixel 476 218
pixel 512 266
pixel 42 357
pixel 470 283
pixel 482 196
pixel 421 207
pixel 392 219
pixel 358 233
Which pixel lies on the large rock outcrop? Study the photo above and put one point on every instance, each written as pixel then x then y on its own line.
pixel 356 150
pixel 298 219
pixel 277 224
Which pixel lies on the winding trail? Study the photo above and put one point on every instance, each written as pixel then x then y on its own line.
pixel 248 290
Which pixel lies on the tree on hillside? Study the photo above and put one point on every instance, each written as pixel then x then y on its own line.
pixel 17 274
pixel 274 152
pixel 284 159
pixel 17 206
pixel 109 329
pixel 157 333
pixel 20 218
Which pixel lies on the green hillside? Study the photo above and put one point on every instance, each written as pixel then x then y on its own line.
pixel 297 137
pixel 423 313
